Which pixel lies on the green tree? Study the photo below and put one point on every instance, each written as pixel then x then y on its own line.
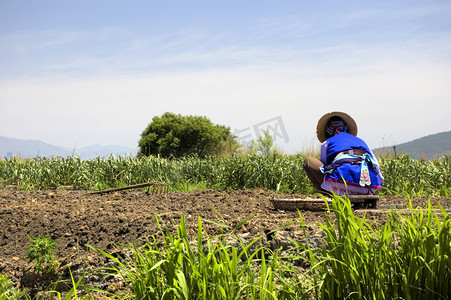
pixel 263 145
pixel 177 135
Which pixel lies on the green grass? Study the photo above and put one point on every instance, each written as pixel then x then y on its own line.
pixel 8 291
pixel 403 175
pixel 173 266
pixel 406 176
pixel 406 257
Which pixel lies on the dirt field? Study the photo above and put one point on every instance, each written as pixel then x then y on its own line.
pixel 75 219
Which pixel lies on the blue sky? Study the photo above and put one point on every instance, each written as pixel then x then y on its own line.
pixel 77 73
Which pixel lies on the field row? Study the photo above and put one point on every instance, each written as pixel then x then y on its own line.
pixel 403 175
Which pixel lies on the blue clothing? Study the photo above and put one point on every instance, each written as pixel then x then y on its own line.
pixel 349 173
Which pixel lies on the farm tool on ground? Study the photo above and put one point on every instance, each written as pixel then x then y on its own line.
pixel 153 187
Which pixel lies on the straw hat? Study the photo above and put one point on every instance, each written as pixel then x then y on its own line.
pixel 322 123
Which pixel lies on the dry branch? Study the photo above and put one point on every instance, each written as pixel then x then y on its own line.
pixel 156 184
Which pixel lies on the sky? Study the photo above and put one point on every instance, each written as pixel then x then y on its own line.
pixel 85 72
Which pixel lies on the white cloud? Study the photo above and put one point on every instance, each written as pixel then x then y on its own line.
pixel 399 101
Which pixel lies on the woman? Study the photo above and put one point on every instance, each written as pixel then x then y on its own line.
pixel 347 165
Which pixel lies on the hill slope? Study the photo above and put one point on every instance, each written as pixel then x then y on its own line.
pixel 428 147
pixel 35 148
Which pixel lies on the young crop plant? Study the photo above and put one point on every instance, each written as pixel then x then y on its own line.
pixel 407 258
pixel 40 252
pixel 7 290
pixel 403 175
pixel 171 266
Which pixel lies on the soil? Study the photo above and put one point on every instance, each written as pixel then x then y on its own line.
pixel 76 219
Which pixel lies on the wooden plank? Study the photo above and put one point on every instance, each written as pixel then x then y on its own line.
pixel 302 204
pixel 358 201
pixel 362 198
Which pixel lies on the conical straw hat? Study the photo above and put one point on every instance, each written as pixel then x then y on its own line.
pixel 322 123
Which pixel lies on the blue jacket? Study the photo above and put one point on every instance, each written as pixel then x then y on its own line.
pixel 349 173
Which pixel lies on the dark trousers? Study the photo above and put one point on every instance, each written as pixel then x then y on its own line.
pixel 311 168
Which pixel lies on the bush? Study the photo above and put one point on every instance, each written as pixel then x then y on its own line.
pixel 177 136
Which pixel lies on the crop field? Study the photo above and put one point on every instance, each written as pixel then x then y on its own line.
pixel 214 234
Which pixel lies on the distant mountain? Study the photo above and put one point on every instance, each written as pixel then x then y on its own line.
pixel 35 148
pixel 428 147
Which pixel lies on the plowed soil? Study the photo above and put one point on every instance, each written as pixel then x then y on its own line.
pixel 76 219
